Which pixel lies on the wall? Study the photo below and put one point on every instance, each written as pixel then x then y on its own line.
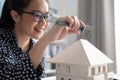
pixel 65 7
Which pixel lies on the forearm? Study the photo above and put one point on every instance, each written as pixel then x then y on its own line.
pixel 37 51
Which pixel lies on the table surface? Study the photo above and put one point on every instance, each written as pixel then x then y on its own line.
pixel 115 76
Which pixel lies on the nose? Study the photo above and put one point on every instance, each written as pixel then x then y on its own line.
pixel 43 23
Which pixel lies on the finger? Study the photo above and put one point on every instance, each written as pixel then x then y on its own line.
pixel 70 20
pixel 76 23
pixel 73 32
pixel 81 23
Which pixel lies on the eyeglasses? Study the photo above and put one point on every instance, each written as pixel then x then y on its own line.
pixel 37 16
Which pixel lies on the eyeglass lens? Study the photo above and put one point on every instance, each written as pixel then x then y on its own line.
pixel 38 17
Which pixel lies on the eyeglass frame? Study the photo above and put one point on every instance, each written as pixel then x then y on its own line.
pixel 41 16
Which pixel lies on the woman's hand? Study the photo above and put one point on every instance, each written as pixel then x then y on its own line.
pixel 58 32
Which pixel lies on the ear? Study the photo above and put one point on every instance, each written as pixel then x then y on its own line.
pixel 15 16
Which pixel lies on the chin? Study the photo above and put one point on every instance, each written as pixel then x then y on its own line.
pixel 37 37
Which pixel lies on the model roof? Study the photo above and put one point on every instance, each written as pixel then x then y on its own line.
pixel 81 52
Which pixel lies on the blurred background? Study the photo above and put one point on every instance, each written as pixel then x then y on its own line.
pixel 102 15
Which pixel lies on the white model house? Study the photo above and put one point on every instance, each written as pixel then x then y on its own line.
pixel 81 61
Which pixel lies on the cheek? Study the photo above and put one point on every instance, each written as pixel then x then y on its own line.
pixel 28 22
pixel 27 27
pixel 28 19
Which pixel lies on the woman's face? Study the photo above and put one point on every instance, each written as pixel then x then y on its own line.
pixel 27 26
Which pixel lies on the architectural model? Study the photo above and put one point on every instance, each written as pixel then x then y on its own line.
pixel 81 61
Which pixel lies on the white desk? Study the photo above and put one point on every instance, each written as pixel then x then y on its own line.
pixel 49 78
pixel 115 77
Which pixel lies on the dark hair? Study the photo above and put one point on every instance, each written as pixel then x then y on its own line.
pixel 17 5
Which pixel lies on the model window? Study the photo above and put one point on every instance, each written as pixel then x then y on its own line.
pixel 99 69
pixel 68 69
pixel 104 69
pixel 58 65
pixel 93 71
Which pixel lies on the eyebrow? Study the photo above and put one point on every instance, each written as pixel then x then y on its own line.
pixel 40 11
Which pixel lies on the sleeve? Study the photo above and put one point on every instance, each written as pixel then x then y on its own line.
pixel 41 66
pixel 39 71
pixel 19 68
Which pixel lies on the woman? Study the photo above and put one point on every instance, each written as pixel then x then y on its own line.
pixel 20 22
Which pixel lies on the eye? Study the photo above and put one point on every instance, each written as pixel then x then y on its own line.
pixel 46 16
pixel 37 14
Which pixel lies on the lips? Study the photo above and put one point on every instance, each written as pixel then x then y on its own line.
pixel 39 30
